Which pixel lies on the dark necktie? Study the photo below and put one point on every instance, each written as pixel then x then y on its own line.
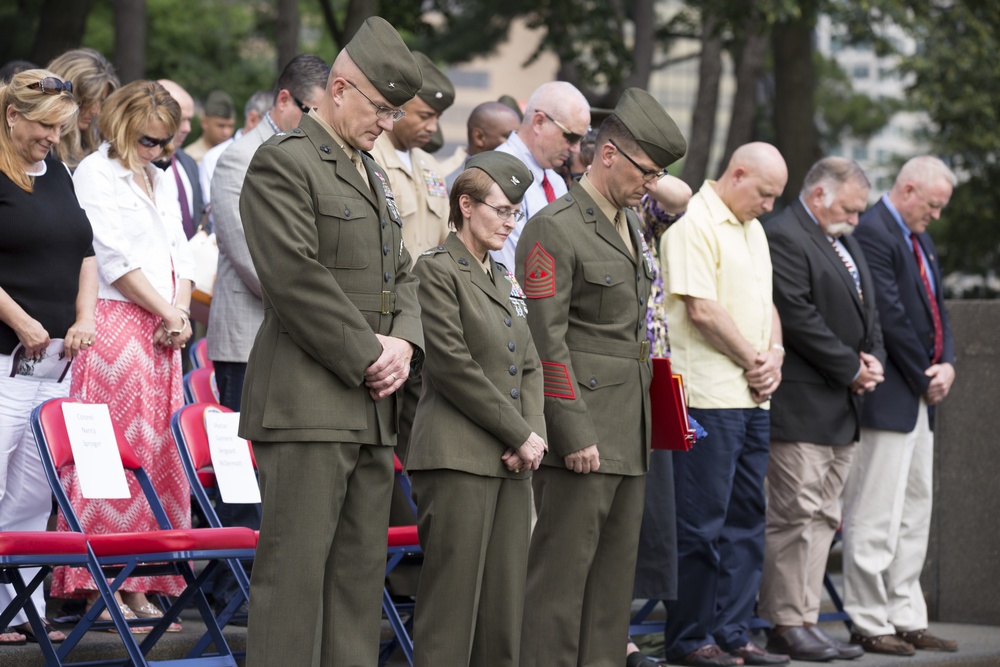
pixel 935 313
pixel 845 257
pixel 182 198
pixel 550 194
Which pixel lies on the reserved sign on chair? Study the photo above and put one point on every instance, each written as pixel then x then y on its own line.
pixel 95 450
pixel 231 462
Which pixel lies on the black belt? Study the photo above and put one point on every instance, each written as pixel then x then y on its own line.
pixel 614 348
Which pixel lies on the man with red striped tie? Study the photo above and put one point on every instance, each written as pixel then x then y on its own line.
pixel 555 120
pixel 887 502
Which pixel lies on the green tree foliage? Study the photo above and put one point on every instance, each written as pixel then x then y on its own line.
pixel 843 111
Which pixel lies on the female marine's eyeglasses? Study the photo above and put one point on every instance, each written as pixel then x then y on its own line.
pixel 504 213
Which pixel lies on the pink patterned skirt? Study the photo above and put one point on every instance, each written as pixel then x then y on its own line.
pixel 142 385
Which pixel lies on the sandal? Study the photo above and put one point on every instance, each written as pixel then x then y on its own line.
pixel 127 613
pixel 55 636
pixel 10 637
pixel 150 610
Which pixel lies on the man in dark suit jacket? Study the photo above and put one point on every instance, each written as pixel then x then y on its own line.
pixel 888 496
pixel 182 170
pixel 341 329
pixel 826 299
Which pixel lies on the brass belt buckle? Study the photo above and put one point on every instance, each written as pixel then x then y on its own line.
pixel 387 303
pixel 644 351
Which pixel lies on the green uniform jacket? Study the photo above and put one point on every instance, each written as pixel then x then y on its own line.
pixel 333 271
pixel 482 377
pixel 587 301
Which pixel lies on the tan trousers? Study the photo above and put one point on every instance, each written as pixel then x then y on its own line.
pixel 887 518
pixel 804 483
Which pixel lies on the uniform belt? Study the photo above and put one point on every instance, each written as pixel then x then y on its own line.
pixel 384 302
pixel 614 348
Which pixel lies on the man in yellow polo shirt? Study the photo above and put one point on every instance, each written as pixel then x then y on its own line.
pixel 725 339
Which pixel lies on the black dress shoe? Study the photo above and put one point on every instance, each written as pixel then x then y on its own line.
pixel 799 644
pixel 709 655
pixel 640 659
pixel 844 650
pixel 755 655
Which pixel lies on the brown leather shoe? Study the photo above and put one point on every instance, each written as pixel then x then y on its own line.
pixel 798 643
pixel 925 641
pixel 844 650
pixel 888 644
pixel 755 655
pixel 709 655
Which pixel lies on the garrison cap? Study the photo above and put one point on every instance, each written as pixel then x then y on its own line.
pixel 220 105
pixel 380 54
pixel 508 172
pixel 508 100
pixel 437 89
pixel 653 129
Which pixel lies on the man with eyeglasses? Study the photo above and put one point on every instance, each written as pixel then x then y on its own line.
pixel 557 117
pixel 587 274
pixel 340 335
pixel 237 310
pixel 725 339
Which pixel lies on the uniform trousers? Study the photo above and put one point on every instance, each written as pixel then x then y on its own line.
pixel 25 496
pixel 720 531
pixel 581 567
pixel 474 532
pixel 320 562
pixel 804 485
pixel 887 518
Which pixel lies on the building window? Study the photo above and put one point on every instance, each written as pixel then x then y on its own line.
pixel 860 72
pixel 469 78
pixel 860 153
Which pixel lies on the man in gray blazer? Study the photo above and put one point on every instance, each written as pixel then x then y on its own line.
pixel 237 310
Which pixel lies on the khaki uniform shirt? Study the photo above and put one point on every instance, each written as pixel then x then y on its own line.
pixel 421 195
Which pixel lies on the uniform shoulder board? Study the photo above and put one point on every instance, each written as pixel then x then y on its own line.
pixel 433 251
pixel 560 204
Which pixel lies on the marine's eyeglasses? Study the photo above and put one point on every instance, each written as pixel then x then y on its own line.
pixel 385 113
pixel 302 106
pixel 52 86
pixel 504 213
pixel 152 142
pixel 648 175
pixel 571 137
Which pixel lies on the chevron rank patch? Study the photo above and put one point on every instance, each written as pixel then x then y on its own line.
pixel 557 381
pixel 539 273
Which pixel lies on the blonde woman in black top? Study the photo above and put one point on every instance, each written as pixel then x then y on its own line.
pixel 48 288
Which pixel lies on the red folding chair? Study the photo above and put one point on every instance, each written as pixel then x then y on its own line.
pixel 200 387
pixel 44 550
pixel 165 551
pixel 188 428
pixel 198 354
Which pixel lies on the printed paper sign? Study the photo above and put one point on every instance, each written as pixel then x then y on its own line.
pixel 95 451
pixel 231 458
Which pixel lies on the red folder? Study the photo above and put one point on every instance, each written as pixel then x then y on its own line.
pixel 671 429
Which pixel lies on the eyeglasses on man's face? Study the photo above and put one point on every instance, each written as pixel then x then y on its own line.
pixel 648 175
pixel 153 142
pixel 381 112
pixel 52 86
pixel 572 138
pixel 504 213
pixel 302 105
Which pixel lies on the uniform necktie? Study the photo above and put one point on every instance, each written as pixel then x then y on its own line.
pixel 182 198
pixel 622 226
pixel 852 268
pixel 935 313
pixel 550 194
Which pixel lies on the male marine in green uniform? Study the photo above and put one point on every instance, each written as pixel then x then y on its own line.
pixel 587 272
pixel 341 331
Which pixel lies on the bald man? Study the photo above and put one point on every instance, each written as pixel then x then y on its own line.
pixel 555 120
pixel 182 170
pixel 725 338
pixel 489 125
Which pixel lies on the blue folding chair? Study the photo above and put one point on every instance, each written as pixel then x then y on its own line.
pixel 166 551
pixel 198 354
pixel 45 550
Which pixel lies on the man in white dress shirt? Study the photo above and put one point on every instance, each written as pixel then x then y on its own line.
pixel 555 120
